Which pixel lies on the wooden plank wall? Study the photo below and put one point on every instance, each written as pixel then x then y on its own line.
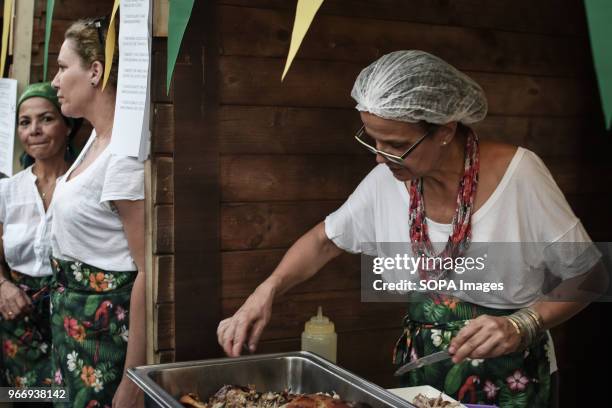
pixel 287 159
pixel 162 157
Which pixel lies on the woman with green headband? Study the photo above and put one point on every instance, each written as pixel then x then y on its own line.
pixel 25 226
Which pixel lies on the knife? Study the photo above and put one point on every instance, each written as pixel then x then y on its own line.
pixel 423 361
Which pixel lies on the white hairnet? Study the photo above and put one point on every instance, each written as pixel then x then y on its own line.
pixel 411 86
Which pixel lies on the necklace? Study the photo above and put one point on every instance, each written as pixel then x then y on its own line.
pixel 43 193
pixel 461 235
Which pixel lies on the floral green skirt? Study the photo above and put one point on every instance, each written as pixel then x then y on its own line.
pixel 89 323
pixel 516 380
pixel 26 341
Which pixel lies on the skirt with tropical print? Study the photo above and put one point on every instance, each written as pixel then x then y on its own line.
pixel 89 324
pixel 26 340
pixel 516 380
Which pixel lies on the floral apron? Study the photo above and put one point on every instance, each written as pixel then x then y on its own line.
pixel 26 341
pixel 89 323
pixel 516 380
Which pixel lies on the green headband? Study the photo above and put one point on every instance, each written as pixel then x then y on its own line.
pixel 43 90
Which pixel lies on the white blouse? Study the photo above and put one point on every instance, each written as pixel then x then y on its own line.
pixel 26 227
pixel 526 220
pixel 86 226
pixel 526 210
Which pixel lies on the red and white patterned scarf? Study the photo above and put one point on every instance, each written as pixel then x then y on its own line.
pixel 461 235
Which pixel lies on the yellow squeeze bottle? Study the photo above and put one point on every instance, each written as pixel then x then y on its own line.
pixel 319 336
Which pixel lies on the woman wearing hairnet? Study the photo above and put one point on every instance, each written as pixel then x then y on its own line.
pixel 436 183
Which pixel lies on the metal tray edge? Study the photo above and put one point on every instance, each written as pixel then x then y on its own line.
pixel 140 376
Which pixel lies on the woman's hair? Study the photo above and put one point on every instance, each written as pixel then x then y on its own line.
pixel 433 127
pixel 89 38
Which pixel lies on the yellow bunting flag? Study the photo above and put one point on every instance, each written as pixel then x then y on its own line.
pixel 109 49
pixel 6 28
pixel 306 10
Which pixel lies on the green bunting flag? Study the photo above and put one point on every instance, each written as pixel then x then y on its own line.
pixel 48 24
pixel 599 16
pixel 178 17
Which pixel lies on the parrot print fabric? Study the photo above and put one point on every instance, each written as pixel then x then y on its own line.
pixel 89 324
pixel 516 380
pixel 26 340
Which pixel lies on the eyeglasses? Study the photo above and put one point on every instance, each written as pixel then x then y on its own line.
pixel 361 134
pixel 98 23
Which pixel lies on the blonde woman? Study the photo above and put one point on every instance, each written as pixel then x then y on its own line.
pixel 97 239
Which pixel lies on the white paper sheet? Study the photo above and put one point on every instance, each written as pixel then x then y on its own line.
pixel 131 134
pixel 8 104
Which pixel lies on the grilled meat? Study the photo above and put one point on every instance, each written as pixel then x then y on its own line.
pixel 421 401
pixel 316 401
pixel 235 396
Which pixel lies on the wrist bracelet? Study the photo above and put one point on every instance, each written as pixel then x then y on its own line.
pixel 537 317
pixel 530 325
pixel 516 327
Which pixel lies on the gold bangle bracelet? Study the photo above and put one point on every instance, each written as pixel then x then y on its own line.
pixel 537 317
pixel 516 326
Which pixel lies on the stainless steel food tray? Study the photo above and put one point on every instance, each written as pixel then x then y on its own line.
pixel 300 372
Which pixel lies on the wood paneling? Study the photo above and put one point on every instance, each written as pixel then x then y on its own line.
pixel 197 196
pixel 166 356
pixel 266 33
pixel 284 130
pixel 158 87
pixel 574 177
pixel 163 229
pixel 305 131
pixel 163 180
pixel 565 17
pixel 262 178
pixel 74 9
pixel 270 225
pixel 60 26
pixel 164 271
pixel 256 81
pixel 243 271
pixel 163 129
pixel 165 326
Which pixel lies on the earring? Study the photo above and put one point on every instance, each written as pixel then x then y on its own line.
pixel 93 83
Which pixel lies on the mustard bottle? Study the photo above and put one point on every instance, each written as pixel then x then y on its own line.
pixel 319 336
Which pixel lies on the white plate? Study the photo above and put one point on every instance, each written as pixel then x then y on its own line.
pixel 408 393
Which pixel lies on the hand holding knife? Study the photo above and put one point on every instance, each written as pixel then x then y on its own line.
pixel 423 361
